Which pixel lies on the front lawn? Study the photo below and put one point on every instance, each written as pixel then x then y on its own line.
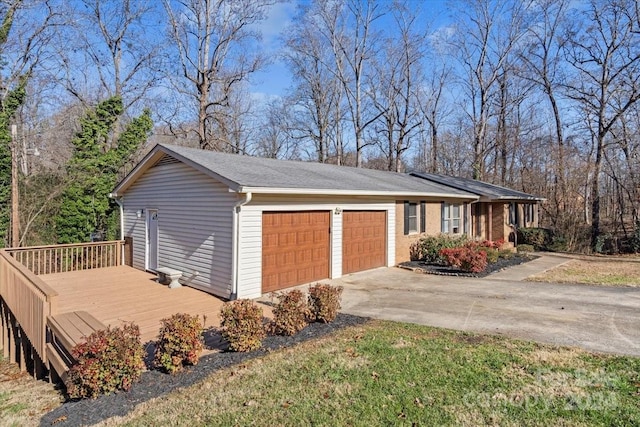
pixel 593 272
pixel 386 373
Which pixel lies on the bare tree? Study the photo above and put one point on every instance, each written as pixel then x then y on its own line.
pixel 275 139
pixel 349 30
pixel 605 56
pixel 106 49
pixel 486 36
pixel 433 108
pixel 213 40
pixel 395 87
pixel 317 91
pixel 542 60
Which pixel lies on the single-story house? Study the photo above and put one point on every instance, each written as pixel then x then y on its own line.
pixel 498 211
pixel 240 226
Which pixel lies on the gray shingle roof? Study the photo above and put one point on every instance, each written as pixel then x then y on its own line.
pixel 255 173
pixel 484 189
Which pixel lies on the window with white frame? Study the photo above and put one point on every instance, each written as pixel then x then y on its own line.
pixel 451 218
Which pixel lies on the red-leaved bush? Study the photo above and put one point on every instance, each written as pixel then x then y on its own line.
pixel 109 360
pixel 467 258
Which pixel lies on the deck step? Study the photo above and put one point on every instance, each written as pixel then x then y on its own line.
pixel 66 330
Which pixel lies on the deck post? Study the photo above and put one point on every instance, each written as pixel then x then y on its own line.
pixel 4 339
pixel 12 339
pixel 119 253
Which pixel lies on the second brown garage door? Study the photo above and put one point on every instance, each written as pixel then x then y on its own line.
pixel 295 248
pixel 364 240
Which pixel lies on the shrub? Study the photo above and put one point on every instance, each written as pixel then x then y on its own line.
pixel 542 239
pixel 492 254
pixel 428 248
pixel 109 360
pixel 558 244
pixel 506 253
pixel 291 314
pixel 634 240
pixel 536 237
pixel 324 302
pixel 525 249
pixel 241 325
pixel 179 343
pixel 467 258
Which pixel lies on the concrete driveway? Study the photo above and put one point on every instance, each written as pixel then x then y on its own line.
pixel 604 319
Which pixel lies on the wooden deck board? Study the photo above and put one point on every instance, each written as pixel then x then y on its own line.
pixel 115 295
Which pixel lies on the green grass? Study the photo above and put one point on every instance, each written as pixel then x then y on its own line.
pixel 386 373
pixel 9 408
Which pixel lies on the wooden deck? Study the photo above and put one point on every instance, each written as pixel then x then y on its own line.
pixel 115 295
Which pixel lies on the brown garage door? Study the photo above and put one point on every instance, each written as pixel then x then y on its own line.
pixel 295 248
pixel 364 240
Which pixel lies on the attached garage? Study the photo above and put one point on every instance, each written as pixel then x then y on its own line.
pixel 295 248
pixel 241 226
pixel 364 241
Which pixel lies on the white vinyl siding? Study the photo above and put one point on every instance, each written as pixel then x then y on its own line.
pixel 250 253
pixel 195 216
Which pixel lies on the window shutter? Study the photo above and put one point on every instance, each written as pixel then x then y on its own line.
pixel 406 218
pixel 423 216
pixel 442 218
pixel 465 216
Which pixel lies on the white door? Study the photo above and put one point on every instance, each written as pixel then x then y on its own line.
pixel 152 239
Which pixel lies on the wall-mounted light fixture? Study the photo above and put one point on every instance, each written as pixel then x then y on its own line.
pixel 139 213
pixel 338 211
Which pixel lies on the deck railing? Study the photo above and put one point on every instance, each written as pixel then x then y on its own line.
pixel 27 302
pixel 71 257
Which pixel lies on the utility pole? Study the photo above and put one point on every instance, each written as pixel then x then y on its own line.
pixel 15 201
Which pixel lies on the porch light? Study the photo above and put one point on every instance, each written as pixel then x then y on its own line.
pixel 139 213
pixel 338 211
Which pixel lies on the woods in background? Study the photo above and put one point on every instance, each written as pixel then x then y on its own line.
pixel 540 96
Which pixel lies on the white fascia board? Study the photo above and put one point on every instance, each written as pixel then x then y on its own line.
pixel 331 192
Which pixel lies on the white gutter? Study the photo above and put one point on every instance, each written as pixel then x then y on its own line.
pixel 236 244
pixel 333 192
pixel 118 201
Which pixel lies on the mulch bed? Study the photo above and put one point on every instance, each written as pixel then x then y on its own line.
pixel 155 383
pixel 442 270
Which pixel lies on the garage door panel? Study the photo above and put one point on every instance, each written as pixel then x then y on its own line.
pixel 364 241
pixel 301 254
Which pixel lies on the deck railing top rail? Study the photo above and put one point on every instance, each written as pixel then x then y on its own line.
pixel 52 259
pixel 62 246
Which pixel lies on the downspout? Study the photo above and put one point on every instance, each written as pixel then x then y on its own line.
pixel 236 244
pixel 119 202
